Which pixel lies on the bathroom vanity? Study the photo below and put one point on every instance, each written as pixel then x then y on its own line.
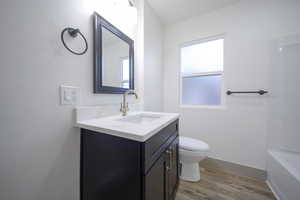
pixel 131 157
pixel 134 157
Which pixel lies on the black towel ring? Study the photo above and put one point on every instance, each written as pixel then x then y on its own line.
pixel 73 33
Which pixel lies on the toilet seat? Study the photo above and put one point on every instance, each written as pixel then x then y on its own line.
pixel 191 144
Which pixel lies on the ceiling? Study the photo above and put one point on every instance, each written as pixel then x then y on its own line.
pixel 172 11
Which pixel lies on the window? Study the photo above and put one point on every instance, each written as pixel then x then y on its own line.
pixel 201 72
pixel 125 73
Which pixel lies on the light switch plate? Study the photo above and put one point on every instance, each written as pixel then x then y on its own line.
pixel 69 95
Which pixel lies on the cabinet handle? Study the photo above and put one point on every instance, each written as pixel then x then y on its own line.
pixel 168 160
pixel 167 168
pixel 170 152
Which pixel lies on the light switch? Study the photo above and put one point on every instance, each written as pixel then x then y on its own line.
pixel 69 95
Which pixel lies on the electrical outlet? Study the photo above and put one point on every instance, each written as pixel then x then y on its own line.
pixel 69 95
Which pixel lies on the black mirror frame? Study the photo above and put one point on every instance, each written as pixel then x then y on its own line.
pixel 100 22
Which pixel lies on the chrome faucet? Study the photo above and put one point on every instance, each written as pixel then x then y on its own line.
pixel 124 105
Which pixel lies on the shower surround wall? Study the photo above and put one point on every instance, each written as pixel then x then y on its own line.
pixel 283 160
pixel 236 131
pixel 284 107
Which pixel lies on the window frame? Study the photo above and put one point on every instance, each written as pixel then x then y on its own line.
pixel 221 73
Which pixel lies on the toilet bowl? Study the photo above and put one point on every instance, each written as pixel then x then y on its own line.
pixel 191 152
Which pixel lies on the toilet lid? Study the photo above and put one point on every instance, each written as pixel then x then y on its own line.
pixel 192 144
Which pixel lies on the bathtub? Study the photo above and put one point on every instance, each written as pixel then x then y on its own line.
pixel 283 170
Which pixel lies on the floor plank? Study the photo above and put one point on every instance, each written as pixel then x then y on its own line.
pixel 216 184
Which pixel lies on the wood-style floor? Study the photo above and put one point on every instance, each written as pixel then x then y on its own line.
pixel 220 185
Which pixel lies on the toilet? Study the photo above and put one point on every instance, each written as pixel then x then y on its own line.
pixel 191 152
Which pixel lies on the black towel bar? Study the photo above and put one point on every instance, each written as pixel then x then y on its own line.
pixel 261 92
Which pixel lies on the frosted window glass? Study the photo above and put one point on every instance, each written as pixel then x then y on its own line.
pixel 201 90
pixel 202 57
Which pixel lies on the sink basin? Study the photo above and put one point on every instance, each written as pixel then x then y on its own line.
pixel 137 126
pixel 141 118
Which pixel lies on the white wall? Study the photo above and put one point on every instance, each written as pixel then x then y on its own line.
pixel 236 132
pixel 39 147
pixel 153 45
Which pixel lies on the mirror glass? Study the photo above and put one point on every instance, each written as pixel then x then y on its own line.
pixel 115 60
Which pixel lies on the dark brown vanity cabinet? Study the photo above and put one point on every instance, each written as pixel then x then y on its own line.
pixel 162 179
pixel 114 168
pixel 172 169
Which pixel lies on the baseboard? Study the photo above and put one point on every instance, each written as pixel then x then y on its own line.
pixel 273 191
pixel 234 168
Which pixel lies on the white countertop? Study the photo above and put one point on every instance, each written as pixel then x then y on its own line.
pixel 114 125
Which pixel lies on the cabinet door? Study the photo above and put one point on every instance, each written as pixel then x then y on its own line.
pixel 110 167
pixel 172 169
pixel 155 181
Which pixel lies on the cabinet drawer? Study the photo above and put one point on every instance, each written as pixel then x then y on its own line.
pixel 154 146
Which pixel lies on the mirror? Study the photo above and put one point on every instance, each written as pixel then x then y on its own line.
pixel 113 56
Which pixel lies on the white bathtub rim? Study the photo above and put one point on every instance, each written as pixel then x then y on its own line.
pixel 273 190
pixel 290 168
